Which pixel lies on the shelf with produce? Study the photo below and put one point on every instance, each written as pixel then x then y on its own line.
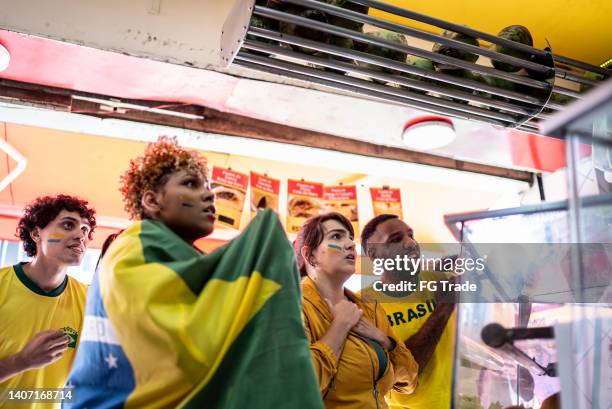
pixel 462 72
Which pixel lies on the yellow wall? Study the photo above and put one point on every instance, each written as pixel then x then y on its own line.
pixel 575 29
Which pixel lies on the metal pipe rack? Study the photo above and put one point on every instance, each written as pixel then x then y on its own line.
pixel 256 36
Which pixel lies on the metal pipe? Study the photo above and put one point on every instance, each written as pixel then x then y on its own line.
pixel 398 11
pixel 338 65
pixel 557 126
pixel 583 65
pixel 528 127
pixel 542 115
pixel 531 123
pixel 364 93
pixel 343 32
pixel 363 18
pixel 559 206
pixel 559 73
pixel 391 64
pixel 524 129
pixel 566 92
pixel 398 92
pixel 554 105
pixel 358 89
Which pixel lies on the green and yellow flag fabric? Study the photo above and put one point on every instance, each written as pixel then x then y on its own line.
pixel 167 326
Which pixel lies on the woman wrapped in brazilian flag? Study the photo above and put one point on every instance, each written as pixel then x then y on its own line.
pixel 167 326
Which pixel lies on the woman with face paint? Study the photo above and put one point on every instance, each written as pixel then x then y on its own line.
pixel 355 353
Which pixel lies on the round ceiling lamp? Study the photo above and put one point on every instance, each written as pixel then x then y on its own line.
pixel 428 132
pixel 5 57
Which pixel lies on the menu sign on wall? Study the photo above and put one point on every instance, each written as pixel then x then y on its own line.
pixel 343 200
pixel 264 193
pixel 304 200
pixel 230 189
pixel 386 201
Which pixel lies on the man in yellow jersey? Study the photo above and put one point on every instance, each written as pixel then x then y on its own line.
pixel 41 308
pixel 427 327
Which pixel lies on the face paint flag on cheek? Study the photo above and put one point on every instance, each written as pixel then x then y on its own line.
pixel 55 237
pixel 334 248
pixel 185 201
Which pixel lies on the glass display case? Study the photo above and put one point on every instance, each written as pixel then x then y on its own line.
pixel 540 327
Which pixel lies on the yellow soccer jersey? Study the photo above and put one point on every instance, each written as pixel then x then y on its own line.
pixel 26 310
pixel 406 317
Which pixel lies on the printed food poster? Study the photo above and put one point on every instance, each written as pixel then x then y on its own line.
pixel 304 200
pixel 386 201
pixel 264 193
pixel 343 200
pixel 230 189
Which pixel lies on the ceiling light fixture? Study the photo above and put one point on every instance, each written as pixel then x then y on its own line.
pixel 5 58
pixel 428 132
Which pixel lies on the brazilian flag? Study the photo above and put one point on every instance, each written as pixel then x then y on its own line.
pixel 167 326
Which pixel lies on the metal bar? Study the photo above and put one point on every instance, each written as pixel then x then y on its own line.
pixel 398 92
pixel 530 127
pixel 523 210
pixel 554 105
pixel 387 63
pixel 450 26
pixel 542 115
pixel 557 124
pixel 590 139
pixel 343 32
pixel 574 215
pixel 540 182
pixel 531 124
pixel 335 64
pixel 534 120
pixel 373 94
pixel 559 73
pixel 363 18
pixel 566 92
pixel 333 85
pixel 559 206
pixel 583 65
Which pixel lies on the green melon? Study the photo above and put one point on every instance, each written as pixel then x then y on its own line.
pixel 384 52
pixel 454 52
pixel 343 22
pixel 306 32
pixel 519 34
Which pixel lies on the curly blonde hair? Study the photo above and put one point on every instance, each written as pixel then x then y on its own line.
pixel 152 170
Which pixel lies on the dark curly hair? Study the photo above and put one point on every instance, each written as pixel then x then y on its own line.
pixel 371 227
pixel 152 170
pixel 311 234
pixel 43 210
